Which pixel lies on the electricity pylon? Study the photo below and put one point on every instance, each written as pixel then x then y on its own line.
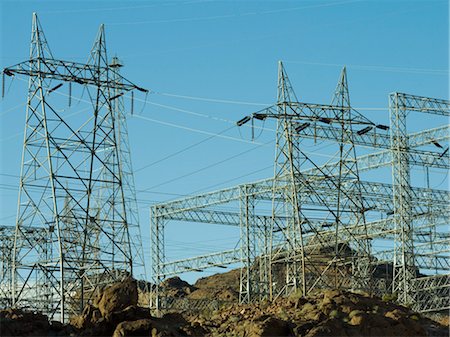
pixel 71 185
pixel 302 270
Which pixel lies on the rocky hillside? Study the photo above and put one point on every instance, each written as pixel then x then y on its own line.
pixel 222 287
pixel 115 312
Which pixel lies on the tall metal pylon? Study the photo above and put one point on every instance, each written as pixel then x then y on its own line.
pixel 288 162
pixel 303 270
pixel 72 184
pixel 349 196
pixel 126 168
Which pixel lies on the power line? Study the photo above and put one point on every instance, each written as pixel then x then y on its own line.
pixel 11 109
pixel 170 107
pixel 213 100
pixel 227 16
pixel 231 180
pixel 178 126
pixel 103 9
pixel 206 167
pixel 182 150
pixel 377 68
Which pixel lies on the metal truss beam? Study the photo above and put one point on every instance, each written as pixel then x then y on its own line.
pixel 199 263
pixel 376 195
pixel 423 104
pixel 432 293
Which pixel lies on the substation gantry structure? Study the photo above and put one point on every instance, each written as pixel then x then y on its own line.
pixel 77 227
pixel 317 224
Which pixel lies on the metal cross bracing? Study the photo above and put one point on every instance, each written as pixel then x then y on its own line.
pixel 314 187
pixel 75 183
pixel 34 236
pixel 6 248
pixel 384 228
pixel 404 247
pixel 126 169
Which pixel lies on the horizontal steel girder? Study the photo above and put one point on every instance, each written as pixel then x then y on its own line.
pixel 376 196
pixel 375 229
pixel 199 263
pixel 423 104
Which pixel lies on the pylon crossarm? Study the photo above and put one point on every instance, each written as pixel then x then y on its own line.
pixel 68 71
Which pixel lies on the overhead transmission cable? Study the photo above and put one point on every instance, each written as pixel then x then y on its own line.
pixel 226 16
pixel 182 150
pixel 206 167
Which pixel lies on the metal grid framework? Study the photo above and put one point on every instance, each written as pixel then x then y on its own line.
pixel 349 215
pixel 76 224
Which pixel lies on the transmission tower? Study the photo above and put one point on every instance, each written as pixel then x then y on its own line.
pixel 302 271
pixel 72 185
pixel 129 187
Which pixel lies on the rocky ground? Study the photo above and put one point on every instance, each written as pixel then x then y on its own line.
pixel 114 312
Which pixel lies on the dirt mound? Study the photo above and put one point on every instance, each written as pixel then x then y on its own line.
pixel 327 313
pixel 222 287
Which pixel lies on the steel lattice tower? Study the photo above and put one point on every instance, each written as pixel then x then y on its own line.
pixel 72 185
pixel 349 196
pixel 126 169
pixel 288 249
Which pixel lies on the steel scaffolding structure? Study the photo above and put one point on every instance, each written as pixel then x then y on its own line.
pixel 311 209
pixel 76 225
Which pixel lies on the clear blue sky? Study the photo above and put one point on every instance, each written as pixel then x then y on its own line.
pixel 224 50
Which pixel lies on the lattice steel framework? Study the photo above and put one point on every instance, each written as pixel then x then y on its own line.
pixel 73 185
pixel 6 249
pixel 294 117
pixel 405 271
pixel 293 237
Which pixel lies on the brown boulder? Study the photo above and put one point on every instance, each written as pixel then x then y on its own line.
pixel 394 314
pixel 330 327
pixel 87 318
pixel 275 327
pixel 131 313
pixel 141 327
pixel 117 297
